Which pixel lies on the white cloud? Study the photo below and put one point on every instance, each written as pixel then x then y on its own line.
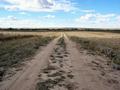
pixel 11 18
pixel 49 16
pixel 39 5
pixel 8 18
pixel 87 11
pixel 118 18
pixel 74 12
pixel 86 17
pixel 11 21
pixel 95 17
pixel 93 20
pixel 23 13
pixel 99 20
pixel 104 18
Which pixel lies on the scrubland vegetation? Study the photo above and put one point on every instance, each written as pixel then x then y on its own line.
pixel 107 44
pixel 109 47
pixel 15 48
pixel 60 64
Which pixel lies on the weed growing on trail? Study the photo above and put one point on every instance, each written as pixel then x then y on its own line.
pixel 61 42
pixel 55 76
pixel 107 46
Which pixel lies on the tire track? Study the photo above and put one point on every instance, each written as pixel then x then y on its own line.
pixel 58 74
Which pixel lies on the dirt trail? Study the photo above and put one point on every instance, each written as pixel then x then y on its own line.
pixel 58 74
pixel 91 72
pixel 61 66
pixel 26 79
pixel 69 69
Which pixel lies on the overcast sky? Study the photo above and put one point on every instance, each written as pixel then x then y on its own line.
pixel 60 13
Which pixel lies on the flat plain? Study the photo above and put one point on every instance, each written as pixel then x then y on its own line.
pixel 73 60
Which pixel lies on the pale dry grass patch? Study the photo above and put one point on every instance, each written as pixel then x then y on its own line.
pixel 104 43
pixel 86 34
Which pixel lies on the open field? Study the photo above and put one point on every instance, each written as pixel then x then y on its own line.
pixel 59 60
pixel 16 47
pixel 92 34
pixel 14 33
pixel 99 42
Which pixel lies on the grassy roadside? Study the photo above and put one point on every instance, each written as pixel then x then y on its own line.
pixel 7 37
pixel 107 46
pixel 13 51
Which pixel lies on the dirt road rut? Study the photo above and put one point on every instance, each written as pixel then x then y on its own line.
pixel 61 66
pixel 26 79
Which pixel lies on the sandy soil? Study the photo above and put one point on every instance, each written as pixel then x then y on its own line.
pixel 64 67
pixel 91 71
pixel 25 79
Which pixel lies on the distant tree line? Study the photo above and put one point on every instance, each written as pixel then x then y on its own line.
pixel 59 29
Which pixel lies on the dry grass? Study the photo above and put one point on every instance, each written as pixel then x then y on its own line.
pixel 100 43
pixel 9 33
pixel 14 48
pixel 85 34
